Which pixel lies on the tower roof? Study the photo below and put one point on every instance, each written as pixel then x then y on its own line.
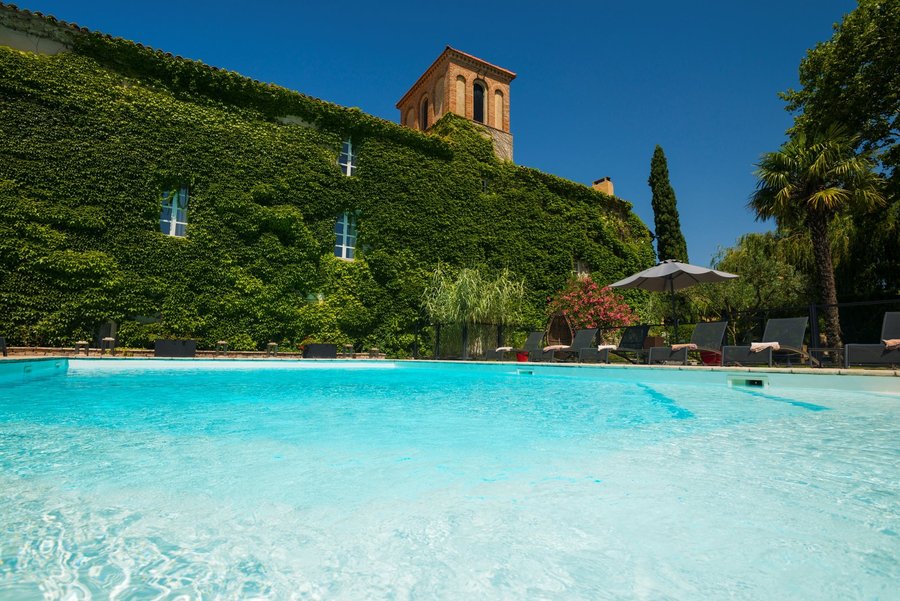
pixel 464 58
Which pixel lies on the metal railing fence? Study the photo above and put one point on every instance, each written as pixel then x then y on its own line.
pixel 860 322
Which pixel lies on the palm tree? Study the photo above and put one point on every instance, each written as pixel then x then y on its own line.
pixel 809 181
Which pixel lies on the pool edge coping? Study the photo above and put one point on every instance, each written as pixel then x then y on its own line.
pixel 880 373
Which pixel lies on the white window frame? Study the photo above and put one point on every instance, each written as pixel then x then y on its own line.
pixel 345 237
pixel 347 159
pixel 176 202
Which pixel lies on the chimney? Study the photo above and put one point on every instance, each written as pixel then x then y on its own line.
pixel 605 185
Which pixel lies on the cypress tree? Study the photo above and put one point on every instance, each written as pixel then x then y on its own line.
pixel 670 243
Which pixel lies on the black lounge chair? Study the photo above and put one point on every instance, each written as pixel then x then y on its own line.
pixel 705 337
pixel 175 348
pixel 583 339
pixel 320 351
pixel 788 332
pixel 632 342
pixel 876 354
pixel 532 345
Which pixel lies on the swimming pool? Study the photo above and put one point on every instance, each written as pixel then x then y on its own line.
pixel 144 479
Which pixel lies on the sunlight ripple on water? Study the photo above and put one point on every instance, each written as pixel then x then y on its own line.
pixel 442 483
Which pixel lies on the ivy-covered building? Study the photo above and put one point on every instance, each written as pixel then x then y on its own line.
pixel 184 200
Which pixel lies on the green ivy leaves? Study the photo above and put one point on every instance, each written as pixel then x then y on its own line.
pixel 89 140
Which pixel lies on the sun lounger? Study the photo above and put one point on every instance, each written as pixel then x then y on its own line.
pixel 705 337
pixel 175 348
pixel 632 342
pixel 532 345
pixel 584 339
pixel 787 332
pixel 883 353
pixel 320 351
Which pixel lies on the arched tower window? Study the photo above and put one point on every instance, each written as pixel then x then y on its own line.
pixel 424 120
pixel 461 95
pixel 498 109
pixel 438 98
pixel 478 102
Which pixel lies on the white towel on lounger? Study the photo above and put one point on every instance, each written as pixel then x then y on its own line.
pixel 756 347
pixel 556 347
pixel 688 345
pixel 604 347
pixel 504 349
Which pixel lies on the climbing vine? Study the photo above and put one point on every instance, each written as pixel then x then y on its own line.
pixel 90 139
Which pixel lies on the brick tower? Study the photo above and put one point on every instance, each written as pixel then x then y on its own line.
pixel 460 83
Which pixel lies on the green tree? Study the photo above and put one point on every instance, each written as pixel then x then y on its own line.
pixel 872 266
pixel 670 242
pixel 854 79
pixel 809 181
pixel 769 279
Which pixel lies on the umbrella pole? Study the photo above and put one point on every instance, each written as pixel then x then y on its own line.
pixel 674 315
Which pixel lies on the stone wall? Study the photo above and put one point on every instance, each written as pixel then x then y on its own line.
pixel 32 32
pixel 503 143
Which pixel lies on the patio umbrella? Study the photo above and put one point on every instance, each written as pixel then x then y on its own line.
pixel 669 276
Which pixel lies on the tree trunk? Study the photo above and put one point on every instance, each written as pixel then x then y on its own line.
pixel 818 229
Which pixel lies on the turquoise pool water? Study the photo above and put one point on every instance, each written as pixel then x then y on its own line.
pixel 335 480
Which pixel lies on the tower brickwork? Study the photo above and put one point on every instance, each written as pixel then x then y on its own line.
pixel 465 85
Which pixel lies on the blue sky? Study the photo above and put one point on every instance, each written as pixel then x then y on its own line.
pixel 599 83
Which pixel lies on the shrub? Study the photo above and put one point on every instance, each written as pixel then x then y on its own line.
pixel 588 305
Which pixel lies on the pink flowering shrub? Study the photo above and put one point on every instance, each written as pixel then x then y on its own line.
pixel 587 305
